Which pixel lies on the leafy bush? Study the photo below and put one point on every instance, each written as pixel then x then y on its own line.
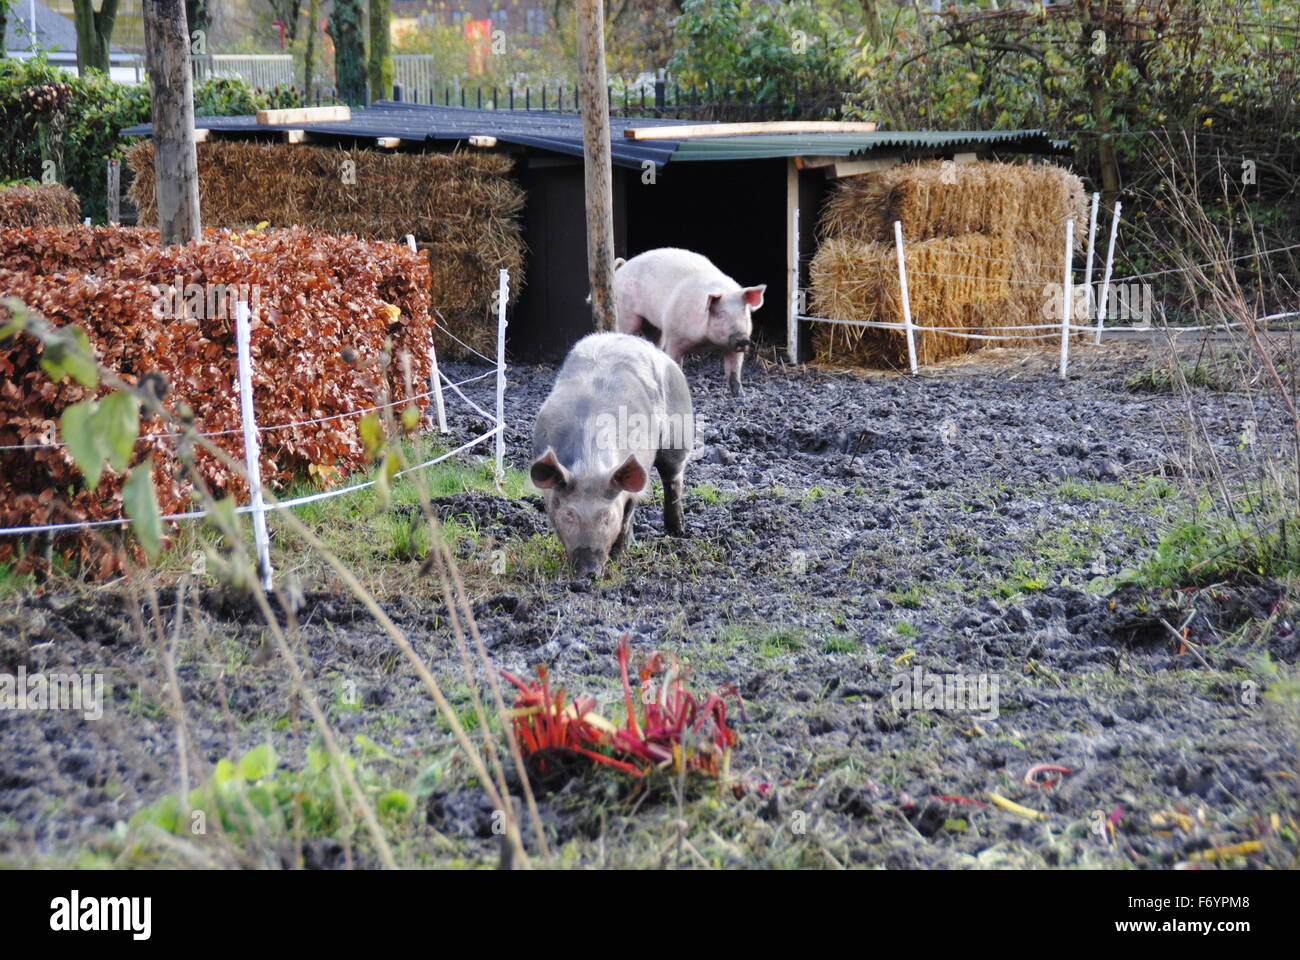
pixel 232 96
pixel 775 49
pixel 99 109
pixel 324 309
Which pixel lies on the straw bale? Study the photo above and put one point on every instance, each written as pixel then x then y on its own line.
pixel 462 208
pixel 952 282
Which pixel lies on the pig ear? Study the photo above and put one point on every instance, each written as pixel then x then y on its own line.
pixel 547 472
pixel 712 304
pixel 630 477
pixel 754 295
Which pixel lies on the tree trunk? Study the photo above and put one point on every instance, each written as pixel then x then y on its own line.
pixel 1095 69
pixel 196 15
pixel 381 59
pixel 592 91
pixel 309 54
pixel 94 34
pixel 875 31
pixel 171 93
pixel 349 51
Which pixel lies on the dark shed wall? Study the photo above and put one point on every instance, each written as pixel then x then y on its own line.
pixel 733 212
pixel 552 312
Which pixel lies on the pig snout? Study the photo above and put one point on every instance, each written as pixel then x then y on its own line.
pixel 588 562
pixel 740 343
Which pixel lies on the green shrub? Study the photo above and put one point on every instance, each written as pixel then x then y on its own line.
pixel 100 108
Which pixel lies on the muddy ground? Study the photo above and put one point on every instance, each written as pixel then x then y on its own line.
pixel 845 529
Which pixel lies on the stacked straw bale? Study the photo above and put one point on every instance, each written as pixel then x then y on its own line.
pixel 462 208
pixel 983 244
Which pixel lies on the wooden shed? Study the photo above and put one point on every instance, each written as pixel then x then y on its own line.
pixel 728 191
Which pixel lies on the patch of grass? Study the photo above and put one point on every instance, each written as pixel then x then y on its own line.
pixel 1144 491
pixel 813 494
pixel 904 629
pixel 769 642
pixel 840 644
pixel 1164 380
pixel 707 492
pixel 909 599
pixel 537 559
pixel 11 582
pixel 1214 550
pixel 1024 577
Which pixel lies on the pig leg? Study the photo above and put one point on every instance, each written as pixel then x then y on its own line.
pixel 674 348
pixel 627 321
pixel 671 472
pixel 731 365
pixel 626 537
pixel 674 518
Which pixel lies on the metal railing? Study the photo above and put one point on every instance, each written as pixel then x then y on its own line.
pixel 264 70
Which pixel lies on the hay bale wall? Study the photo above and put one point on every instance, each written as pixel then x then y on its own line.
pixel 982 243
pixel 462 208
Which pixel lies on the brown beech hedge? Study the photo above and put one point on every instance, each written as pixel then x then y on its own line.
pixel 324 310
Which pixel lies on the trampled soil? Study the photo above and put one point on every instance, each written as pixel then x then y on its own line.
pixel 844 530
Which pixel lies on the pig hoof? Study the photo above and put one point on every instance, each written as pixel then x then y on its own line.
pixel 733 383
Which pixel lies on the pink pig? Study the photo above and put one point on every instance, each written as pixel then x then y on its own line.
pixel 693 305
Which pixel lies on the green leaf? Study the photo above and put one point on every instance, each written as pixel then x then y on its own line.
pixel 68 352
pixel 372 435
pixel 395 803
pixel 80 360
pixel 222 515
pixel 384 478
pixel 224 772
pixel 118 423
pixel 317 760
pixel 410 419
pixel 84 443
pixel 141 503
pixel 258 763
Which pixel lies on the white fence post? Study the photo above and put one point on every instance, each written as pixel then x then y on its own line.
pixel 503 296
pixel 1067 297
pixel 907 303
pixel 792 323
pixel 252 441
pixel 1087 273
pixel 434 378
pixel 438 406
pixel 1110 260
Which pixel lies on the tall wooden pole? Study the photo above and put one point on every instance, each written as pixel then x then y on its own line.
pixel 592 86
pixel 171 91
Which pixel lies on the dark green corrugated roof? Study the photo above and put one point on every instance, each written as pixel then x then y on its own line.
pixel 755 146
pixel 561 133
